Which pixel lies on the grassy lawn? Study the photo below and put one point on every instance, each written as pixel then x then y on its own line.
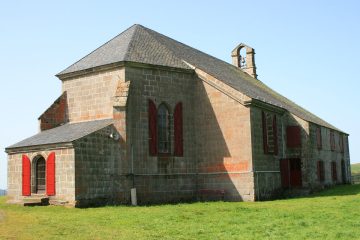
pixel 331 214
pixel 355 168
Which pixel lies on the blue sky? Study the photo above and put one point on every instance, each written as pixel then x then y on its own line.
pixel 306 50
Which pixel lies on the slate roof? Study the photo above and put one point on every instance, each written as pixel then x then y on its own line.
pixel 143 45
pixel 64 134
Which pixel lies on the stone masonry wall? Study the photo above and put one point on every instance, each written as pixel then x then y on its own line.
pixel 327 155
pixel 164 178
pixel 223 144
pixel 266 167
pixel 55 115
pixel 64 173
pixel 99 177
pixel 90 96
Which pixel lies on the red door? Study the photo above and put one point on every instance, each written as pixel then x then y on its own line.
pixel 285 173
pixel 290 170
pixel 295 172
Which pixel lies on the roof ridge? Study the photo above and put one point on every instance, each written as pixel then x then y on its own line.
pixel 151 31
pixel 118 35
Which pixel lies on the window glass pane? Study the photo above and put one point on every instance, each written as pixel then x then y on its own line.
pixel 163 129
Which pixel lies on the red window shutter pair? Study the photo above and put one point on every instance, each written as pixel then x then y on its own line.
pixel 50 175
pixel 178 129
pixel 269 126
pixel 293 136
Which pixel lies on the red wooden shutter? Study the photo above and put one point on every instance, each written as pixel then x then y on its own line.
pixel 318 138
pixel 26 176
pixel 152 129
pixel 50 174
pixel 178 130
pixel 334 172
pixel 265 143
pixel 341 142
pixel 320 171
pixel 293 136
pixel 332 141
pixel 275 135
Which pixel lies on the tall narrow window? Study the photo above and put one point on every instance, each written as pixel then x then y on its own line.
pixel 269 133
pixel 178 130
pixel 163 125
pixel 318 137
pixel 332 141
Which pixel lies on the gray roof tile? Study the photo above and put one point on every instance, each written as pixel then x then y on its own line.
pixel 63 134
pixel 143 45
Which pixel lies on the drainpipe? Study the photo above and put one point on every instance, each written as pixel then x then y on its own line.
pixel 133 189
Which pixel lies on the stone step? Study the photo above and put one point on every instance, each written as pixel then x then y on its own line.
pixel 35 201
pixel 58 202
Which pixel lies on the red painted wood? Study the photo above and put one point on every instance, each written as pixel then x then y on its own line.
pixel 332 141
pixel 293 136
pixel 178 130
pixel 152 128
pixel 285 173
pixel 341 143
pixel 275 135
pixel 320 171
pixel 333 171
pixel 26 176
pixel 265 143
pixel 50 174
pixel 318 138
pixel 295 172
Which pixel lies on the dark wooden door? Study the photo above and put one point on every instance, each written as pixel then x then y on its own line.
pixel 295 172
pixel 290 170
pixel 40 175
pixel 285 173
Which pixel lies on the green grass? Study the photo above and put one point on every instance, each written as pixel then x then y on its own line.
pixel 331 214
pixel 355 168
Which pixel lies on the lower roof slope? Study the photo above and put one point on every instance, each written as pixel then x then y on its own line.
pixel 64 134
pixel 143 45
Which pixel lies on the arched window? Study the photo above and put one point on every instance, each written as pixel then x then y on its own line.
pixel 163 129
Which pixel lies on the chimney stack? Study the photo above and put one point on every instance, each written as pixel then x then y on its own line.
pixel 247 62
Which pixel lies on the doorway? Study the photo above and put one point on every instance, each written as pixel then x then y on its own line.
pixel 40 176
pixel 290 170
